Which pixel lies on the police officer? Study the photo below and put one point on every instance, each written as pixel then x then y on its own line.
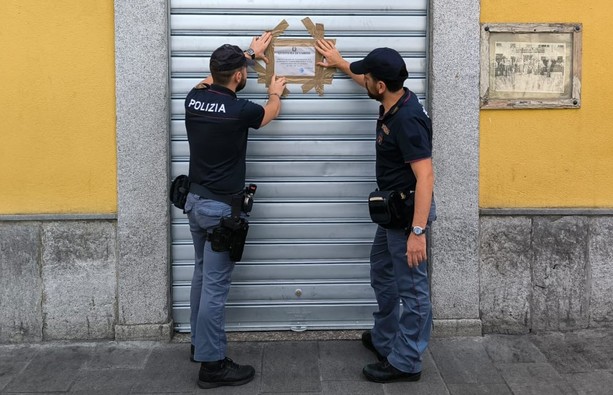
pixel 217 124
pixel 398 256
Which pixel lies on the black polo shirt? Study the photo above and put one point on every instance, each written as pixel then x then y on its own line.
pixel 217 124
pixel 404 135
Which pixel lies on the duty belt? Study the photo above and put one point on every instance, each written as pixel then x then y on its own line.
pixel 205 193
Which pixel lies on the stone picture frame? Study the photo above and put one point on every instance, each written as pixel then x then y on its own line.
pixel 530 66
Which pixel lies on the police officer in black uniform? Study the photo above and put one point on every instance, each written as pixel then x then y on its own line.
pixel 398 258
pixel 217 124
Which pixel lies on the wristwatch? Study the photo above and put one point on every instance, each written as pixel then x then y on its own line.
pixel 251 53
pixel 418 230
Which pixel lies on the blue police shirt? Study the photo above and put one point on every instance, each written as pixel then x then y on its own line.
pixel 217 124
pixel 404 135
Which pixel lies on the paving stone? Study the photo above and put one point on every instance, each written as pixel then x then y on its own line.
pixel 9 370
pixel 168 369
pixel 291 367
pixel 534 378
pixel 251 388
pixel 54 369
pixel 288 393
pixel 543 389
pixel 512 349
pixel 416 388
pixel 351 388
pixel 580 351
pixel 18 352
pixel 108 381
pixel 247 353
pixel 430 373
pixel 599 382
pixel 479 389
pixel 343 360
pixel 464 361
pixel 128 355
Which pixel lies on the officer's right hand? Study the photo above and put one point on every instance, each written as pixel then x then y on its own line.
pixel 332 57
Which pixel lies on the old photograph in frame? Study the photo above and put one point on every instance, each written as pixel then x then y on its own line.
pixel 530 66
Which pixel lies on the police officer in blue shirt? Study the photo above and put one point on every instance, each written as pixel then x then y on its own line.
pixel 217 124
pixel 398 256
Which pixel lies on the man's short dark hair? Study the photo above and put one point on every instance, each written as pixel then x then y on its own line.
pixel 392 85
pixel 223 77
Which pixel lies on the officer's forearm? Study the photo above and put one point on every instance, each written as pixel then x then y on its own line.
pixel 423 199
pixel 271 109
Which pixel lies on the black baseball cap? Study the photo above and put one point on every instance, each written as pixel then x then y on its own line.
pixel 228 57
pixel 383 63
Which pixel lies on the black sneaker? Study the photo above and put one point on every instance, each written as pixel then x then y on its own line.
pixel 384 372
pixel 367 342
pixel 224 372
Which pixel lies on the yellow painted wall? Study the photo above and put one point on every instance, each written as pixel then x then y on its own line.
pixel 553 158
pixel 57 106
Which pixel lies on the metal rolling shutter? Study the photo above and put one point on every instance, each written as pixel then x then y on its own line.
pixel 305 265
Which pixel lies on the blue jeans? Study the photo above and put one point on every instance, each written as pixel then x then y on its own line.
pixel 402 336
pixel 210 282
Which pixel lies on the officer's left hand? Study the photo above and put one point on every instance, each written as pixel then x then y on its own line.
pixel 416 250
pixel 259 45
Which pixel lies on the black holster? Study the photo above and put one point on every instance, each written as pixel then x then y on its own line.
pixel 231 234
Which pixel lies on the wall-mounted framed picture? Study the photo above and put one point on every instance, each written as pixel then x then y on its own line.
pixel 530 65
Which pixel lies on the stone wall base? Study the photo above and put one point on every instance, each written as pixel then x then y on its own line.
pixel 458 327
pixel 159 332
pixel 546 271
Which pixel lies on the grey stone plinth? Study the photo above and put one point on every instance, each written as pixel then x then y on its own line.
pixel 453 328
pixel 20 283
pixel 560 273
pixel 78 270
pixel 601 263
pixel 546 272
pixel 143 219
pixel 506 259
pixel 161 332
pixel 455 269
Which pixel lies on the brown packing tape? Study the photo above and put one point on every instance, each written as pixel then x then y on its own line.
pixel 317 32
pixel 276 32
pixel 280 28
pixel 322 75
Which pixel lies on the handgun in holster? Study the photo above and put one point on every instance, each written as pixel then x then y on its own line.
pixel 231 234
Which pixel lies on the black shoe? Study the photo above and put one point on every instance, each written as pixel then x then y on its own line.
pixel 367 342
pixel 224 372
pixel 192 350
pixel 384 372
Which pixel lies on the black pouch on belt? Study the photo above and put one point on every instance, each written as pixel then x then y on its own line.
pixel 179 188
pixel 391 209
